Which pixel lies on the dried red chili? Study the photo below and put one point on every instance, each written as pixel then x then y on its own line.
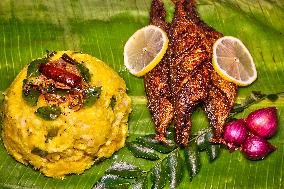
pixel 60 75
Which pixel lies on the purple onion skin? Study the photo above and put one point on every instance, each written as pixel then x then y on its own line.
pixel 235 133
pixel 256 148
pixel 263 122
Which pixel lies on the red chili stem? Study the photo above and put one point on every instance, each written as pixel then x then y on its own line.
pixel 60 75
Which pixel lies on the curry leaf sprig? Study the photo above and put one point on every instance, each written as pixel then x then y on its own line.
pixel 253 98
pixel 170 162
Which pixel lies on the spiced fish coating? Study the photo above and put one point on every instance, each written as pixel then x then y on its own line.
pixel 221 94
pixel 185 78
pixel 189 70
pixel 157 80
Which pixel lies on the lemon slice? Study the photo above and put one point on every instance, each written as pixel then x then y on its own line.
pixel 145 49
pixel 232 60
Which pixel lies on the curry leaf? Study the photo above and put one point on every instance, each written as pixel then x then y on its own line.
pixel 158 176
pixel 141 151
pixel 91 95
pixel 48 112
pixel 141 182
pixel 30 94
pixel 33 67
pixel 84 71
pixel 151 142
pixel 112 102
pixel 112 182
pixel 124 170
pixel 202 138
pixel 213 151
pixel 272 97
pixel 192 159
pixel 253 98
pixel 175 169
pixel 39 152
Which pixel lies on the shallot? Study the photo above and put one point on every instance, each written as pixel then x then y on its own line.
pixel 256 148
pixel 235 133
pixel 263 122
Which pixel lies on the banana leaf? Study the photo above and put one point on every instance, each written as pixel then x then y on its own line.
pixel 101 28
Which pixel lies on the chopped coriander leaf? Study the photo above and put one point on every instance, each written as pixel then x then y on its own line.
pixel 112 102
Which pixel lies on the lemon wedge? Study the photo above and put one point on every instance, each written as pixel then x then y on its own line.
pixel 233 61
pixel 145 49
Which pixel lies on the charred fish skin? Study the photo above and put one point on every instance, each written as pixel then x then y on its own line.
pixel 221 93
pixel 185 78
pixel 158 15
pixel 156 82
pixel 189 70
pixel 218 105
pixel 211 33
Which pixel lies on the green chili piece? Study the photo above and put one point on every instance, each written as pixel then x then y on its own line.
pixel 39 152
pixel 48 112
pixel 61 92
pixel 52 132
pixel 112 102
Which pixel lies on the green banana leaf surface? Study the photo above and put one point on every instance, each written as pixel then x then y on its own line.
pixel 100 28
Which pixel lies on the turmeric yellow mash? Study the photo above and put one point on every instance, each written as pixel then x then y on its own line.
pixel 60 127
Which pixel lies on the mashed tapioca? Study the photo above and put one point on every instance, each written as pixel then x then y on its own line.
pixel 65 111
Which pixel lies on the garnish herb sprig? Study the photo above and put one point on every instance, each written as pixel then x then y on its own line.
pixel 253 98
pixel 169 168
